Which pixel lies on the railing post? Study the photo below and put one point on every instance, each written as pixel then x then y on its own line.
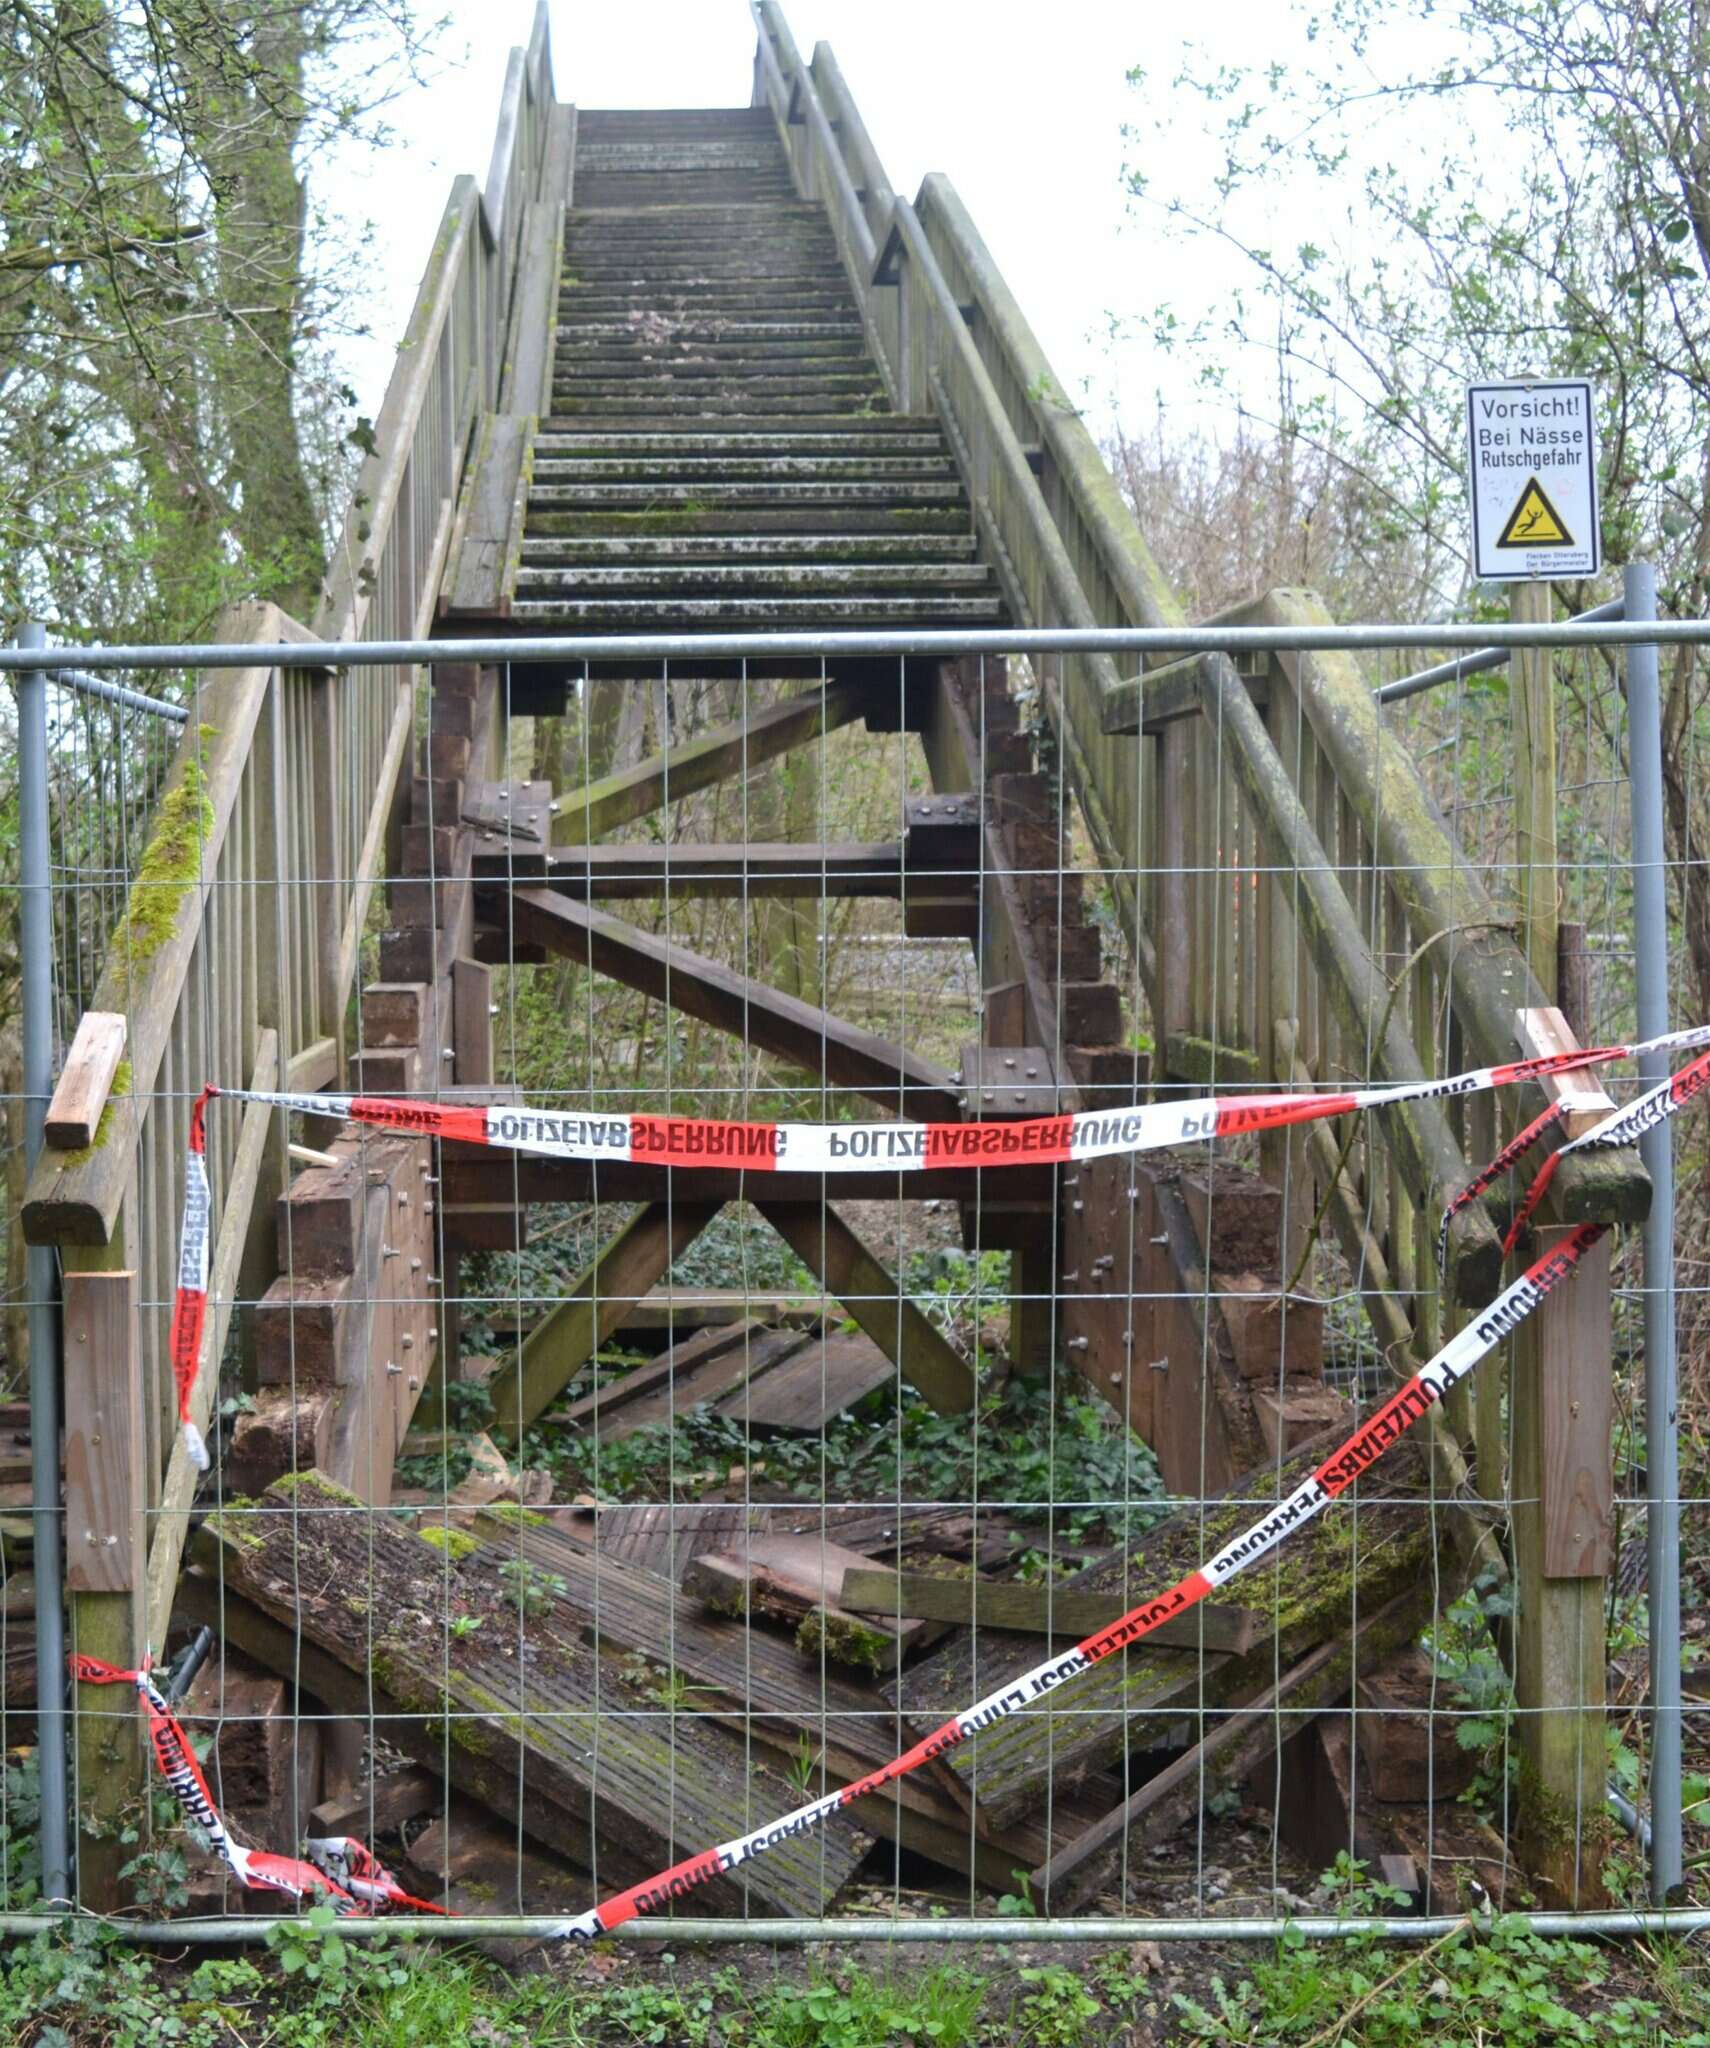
pixel 1662 1448
pixel 35 948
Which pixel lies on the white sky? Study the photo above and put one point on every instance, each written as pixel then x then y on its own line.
pixel 1022 105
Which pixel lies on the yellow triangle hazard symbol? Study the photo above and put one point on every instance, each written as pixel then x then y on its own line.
pixel 1534 522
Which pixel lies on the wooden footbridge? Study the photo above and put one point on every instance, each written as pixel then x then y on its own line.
pixel 700 370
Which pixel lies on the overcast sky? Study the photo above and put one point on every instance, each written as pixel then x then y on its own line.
pixel 1022 105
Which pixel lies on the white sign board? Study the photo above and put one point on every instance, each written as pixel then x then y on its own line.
pixel 1532 445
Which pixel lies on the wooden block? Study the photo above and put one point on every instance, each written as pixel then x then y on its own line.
pixel 472 1023
pixel 485 1226
pixel 1237 1217
pixel 74 1114
pixel 380 1805
pixel 1581 1096
pixel 264 1763
pixel 1270 1337
pixel 284 1432
pixel 1091 1012
pixel 394 1013
pixel 299 1329
pixel 448 754
pixel 1409 1752
pixel 432 849
pixel 488 1476
pixel 799 1580
pixel 104 1444
pixel 398 1070
pixel 319 1219
pixel 1295 1415
pixel 452 712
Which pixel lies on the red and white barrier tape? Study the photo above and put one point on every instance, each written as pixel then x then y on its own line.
pixel 1149 1127
pixel 340 1871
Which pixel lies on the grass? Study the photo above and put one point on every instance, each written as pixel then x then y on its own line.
pixel 1499 1986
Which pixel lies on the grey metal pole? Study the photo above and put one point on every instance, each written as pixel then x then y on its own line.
pixel 1662 1449
pixel 35 952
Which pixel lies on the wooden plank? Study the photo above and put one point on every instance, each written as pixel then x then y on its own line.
pixel 731 1371
pixel 1050 1609
pixel 104 1489
pixel 472 1023
pixel 746 1676
pixel 562 1342
pixel 822 1045
pixel 1577 1419
pixel 1580 1097
pixel 379 1805
pixel 1158 697
pixel 86 1080
pixel 801 1395
pixel 106 1736
pixel 830 1250
pixel 528 1716
pixel 674 1363
pixel 728 750
pixel 473 1174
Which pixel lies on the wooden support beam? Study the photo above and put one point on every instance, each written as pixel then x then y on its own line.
pixel 74 1114
pixel 604 873
pixel 555 1350
pixel 728 750
pixel 474 1175
pixel 835 1053
pixel 105 1492
pixel 827 1246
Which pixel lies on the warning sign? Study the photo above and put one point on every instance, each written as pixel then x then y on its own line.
pixel 1534 522
pixel 1532 447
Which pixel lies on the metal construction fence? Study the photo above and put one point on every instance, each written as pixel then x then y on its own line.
pixel 750 1241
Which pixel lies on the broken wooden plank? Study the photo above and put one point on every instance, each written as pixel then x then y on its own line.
pixel 1054 1609
pixel 816 1382
pixel 755 1355
pixel 85 1081
pixel 835 1053
pixel 676 1362
pixel 830 1249
pixel 661 1536
pixel 519 1708
pixel 1304 1593
pixel 798 1580
pixel 1236 1742
pixel 380 1805
pixel 561 1343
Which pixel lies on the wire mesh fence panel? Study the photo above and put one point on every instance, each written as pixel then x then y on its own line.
pixel 772 1354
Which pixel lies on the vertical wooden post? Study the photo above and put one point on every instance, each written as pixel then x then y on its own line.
pixel 1558 1358
pixel 105 1559
pixel 1559 1388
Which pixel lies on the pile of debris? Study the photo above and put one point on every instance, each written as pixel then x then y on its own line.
pixel 559 1701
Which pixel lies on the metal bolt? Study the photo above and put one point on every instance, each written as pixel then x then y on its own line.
pixel 1076 1344
pixel 1033 1073
pixel 1077 1205
pixel 1009 1059
pixel 388 1251
pixel 1020 1096
pixel 1075 1275
pixel 1158 1365
pixel 415 1265
pixel 403 1198
pixel 1071 1180
pixel 555 808
pixel 407 1341
pixel 446 1053
pixel 493 1008
pixel 1128 1339
pixel 985 1095
pixel 396 1371
pixel 1163 1237
pixel 414 1383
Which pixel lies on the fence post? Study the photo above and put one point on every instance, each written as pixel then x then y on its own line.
pixel 106 1556
pixel 35 949
pixel 1656 1148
